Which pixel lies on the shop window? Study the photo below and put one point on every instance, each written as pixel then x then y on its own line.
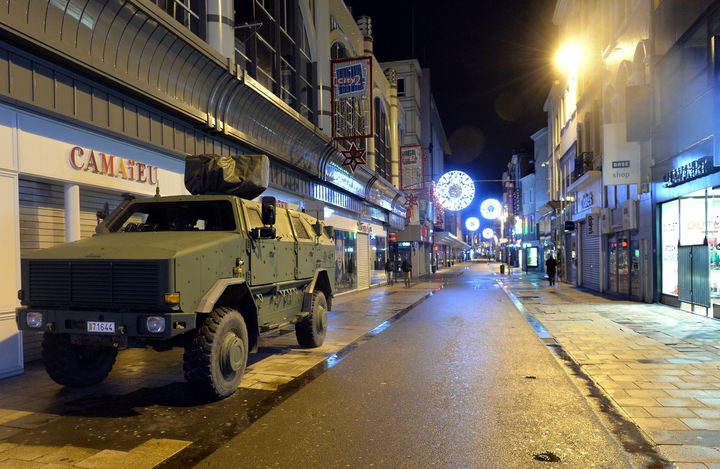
pixel 692 220
pixel 670 222
pixel 378 255
pixel 345 260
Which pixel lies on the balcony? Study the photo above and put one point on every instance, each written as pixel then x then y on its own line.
pixel 586 172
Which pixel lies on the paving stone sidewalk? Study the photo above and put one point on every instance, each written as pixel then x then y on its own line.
pixel 32 401
pixel 660 365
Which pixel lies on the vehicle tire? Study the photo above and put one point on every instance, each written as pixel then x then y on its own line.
pixel 216 357
pixel 310 331
pixel 76 365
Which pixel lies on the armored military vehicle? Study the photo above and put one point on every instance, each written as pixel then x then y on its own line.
pixel 208 272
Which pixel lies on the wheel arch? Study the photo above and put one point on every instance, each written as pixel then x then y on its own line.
pixel 320 282
pixel 233 293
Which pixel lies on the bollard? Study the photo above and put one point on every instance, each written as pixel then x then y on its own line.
pixel 502 269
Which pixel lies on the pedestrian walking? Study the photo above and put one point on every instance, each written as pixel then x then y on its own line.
pixel 551 269
pixel 406 267
pixel 389 270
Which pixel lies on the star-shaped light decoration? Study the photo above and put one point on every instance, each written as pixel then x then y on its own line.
pixel 411 201
pixel 354 156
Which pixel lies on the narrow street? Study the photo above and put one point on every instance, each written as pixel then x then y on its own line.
pixel 460 381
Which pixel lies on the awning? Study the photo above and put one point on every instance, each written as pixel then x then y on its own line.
pixel 448 239
pixel 550 207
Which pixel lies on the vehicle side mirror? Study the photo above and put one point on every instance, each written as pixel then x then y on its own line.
pixel 318 228
pixel 268 211
pixel 329 232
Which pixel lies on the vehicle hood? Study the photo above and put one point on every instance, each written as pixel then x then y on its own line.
pixel 136 246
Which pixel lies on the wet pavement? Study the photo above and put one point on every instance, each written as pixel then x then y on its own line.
pixel 658 366
pixel 651 365
pixel 460 381
pixel 145 415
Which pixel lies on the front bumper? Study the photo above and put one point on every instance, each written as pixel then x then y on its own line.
pixel 127 324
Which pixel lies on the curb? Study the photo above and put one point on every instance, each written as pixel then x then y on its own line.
pixel 618 423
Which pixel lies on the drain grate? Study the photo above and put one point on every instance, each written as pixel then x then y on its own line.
pixel 529 297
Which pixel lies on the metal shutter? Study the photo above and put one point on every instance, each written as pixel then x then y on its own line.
pixel 363 260
pixel 42 225
pixel 685 274
pixel 701 275
pixel 92 201
pixel 590 246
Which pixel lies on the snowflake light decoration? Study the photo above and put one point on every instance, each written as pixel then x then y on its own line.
pixel 455 190
pixel 490 209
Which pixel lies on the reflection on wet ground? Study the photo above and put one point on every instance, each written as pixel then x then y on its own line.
pixel 145 413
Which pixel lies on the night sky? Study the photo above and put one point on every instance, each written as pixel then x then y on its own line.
pixel 491 71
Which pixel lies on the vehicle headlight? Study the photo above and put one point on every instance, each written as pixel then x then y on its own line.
pixel 155 324
pixel 34 320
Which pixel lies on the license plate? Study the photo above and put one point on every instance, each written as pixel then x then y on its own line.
pixel 100 326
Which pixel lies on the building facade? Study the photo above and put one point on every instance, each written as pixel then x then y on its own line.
pixel 109 98
pixel 599 121
pixel 686 203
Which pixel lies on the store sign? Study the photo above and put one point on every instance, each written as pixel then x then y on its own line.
pixel 621 159
pixel 411 167
pixel 351 90
pixel 586 201
pixel 569 226
pixel 591 229
pixel 364 227
pixel 697 169
pixel 112 166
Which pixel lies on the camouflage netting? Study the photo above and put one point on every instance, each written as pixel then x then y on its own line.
pixel 245 176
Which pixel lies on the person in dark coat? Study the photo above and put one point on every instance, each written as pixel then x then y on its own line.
pixel 551 269
pixel 406 268
pixel 389 270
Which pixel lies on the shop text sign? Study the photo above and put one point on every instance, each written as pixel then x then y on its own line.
pixel 697 169
pixel 621 159
pixel 97 162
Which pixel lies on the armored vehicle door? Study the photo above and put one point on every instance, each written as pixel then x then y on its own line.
pixel 262 252
pixel 285 247
pixel 308 254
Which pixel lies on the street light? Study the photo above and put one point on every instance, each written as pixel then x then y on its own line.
pixel 569 57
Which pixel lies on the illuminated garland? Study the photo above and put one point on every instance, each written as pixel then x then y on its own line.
pixel 455 190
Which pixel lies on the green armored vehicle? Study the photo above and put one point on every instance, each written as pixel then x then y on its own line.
pixel 208 272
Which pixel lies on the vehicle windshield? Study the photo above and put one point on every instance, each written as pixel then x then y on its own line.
pixel 214 215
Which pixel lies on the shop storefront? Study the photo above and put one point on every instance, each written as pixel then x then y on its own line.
pixel 688 227
pixel 360 250
pixel 63 176
pixel 690 252
pixel 588 240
